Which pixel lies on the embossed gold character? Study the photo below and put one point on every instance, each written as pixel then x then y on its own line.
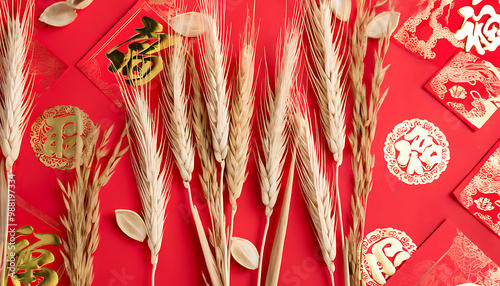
pixel 30 258
pixel 139 64
pixel 61 138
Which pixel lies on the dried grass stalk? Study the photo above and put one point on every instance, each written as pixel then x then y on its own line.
pixel 326 70
pixel 153 176
pixel 16 29
pixel 82 202
pixel 365 109
pixel 316 189
pixel 274 135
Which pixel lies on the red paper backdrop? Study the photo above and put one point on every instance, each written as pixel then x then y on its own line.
pixel 417 210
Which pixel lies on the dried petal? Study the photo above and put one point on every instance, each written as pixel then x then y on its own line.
pixel 58 15
pixel 245 253
pixel 383 24
pixel 131 224
pixel 341 9
pixel 79 4
pixel 191 24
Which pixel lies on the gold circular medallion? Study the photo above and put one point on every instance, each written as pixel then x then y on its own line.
pixel 54 135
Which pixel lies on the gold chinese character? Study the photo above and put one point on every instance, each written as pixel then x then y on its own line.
pixel 30 259
pixel 62 137
pixel 139 64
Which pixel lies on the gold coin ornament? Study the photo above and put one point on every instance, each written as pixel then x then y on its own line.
pixel 54 135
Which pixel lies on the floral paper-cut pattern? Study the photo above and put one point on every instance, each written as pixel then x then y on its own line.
pixel 480 191
pixel 468 86
pixel 447 258
pixel 427 32
pixel 416 152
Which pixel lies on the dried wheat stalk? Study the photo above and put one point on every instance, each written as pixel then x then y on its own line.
pixel 82 202
pixel 273 134
pixel 153 176
pixel 273 270
pixel 326 70
pixel 316 189
pixel 241 122
pixel 214 71
pixel 16 29
pixel 208 178
pixel 176 113
pixel 364 122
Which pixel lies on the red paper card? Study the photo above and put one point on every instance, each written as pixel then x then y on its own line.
pixel 124 40
pixel 46 68
pixel 468 86
pixel 448 257
pixel 430 32
pixel 479 193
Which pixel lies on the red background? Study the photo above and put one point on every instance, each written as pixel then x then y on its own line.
pixel 417 210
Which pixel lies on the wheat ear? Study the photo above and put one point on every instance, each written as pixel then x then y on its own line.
pixel 364 123
pixel 214 53
pixel 153 176
pixel 82 201
pixel 176 113
pixel 273 128
pixel 326 70
pixel 16 30
pixel 241 122
pixel 208 177
pixel 316 189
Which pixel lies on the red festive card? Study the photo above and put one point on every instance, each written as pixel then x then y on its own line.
pixel 479 193
pixel 448 257
pixel 430 32
pixel 132 48
pixel 468 86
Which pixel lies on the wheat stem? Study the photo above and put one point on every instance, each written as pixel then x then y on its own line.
pixel 264 238
pixel 153 272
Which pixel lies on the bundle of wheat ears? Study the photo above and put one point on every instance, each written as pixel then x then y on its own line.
pixel 82 200
pixel 16 29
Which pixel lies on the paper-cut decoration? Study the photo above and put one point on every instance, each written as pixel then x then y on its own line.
pixel 54 134
pixel 468 86
pixel 416 152
pixel 430 32
pixel 448 257
pixel 479 193
pixel 31 258
pixel 384 251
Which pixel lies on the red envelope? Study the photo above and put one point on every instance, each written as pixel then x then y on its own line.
pixel 468 86
pixel 479 192
pixel 96 64
pixel 430 32
pixel 448 257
